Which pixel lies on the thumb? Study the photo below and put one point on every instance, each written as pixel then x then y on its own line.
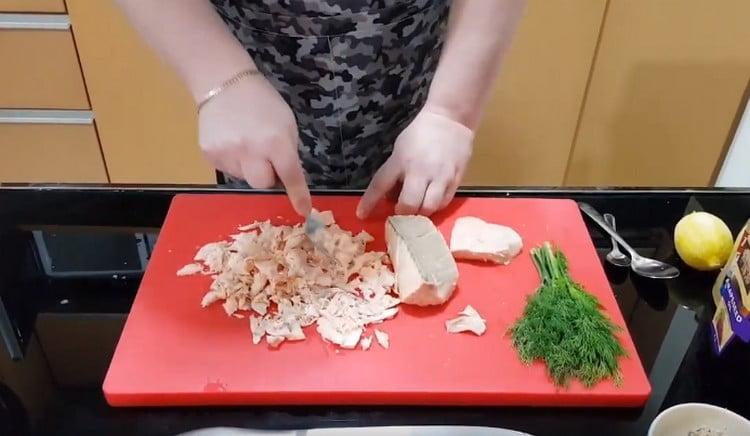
pixel 384 179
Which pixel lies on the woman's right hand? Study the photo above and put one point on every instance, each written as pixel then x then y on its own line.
pixel 249 132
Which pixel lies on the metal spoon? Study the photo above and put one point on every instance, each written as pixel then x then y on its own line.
pixel 643 266
pixel 615 256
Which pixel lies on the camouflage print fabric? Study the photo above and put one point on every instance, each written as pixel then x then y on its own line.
pixel 355 73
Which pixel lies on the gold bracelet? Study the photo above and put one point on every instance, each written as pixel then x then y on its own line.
pixel 226 84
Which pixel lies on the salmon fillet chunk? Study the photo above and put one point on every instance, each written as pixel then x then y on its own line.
pixel 475 239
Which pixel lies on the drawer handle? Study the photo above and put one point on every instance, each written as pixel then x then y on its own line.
pixel 35 21
pixel 43 116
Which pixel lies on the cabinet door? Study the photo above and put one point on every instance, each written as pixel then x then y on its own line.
pixel 528 127
pixel 43 70
pixel 32 6
pixel 52 152
pixel 144 115
pixel 667 82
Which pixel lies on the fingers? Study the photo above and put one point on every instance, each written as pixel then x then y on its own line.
pixel 289 170
pixel 450 191
pixel 224 164
pixel 393 193
pixel 385 178
pixel 258 173
pixel 412 195
pixel 433 198
pixel 232 168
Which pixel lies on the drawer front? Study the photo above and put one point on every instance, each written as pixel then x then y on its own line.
pixel 49 146
pixel 44 72
pixel 32 6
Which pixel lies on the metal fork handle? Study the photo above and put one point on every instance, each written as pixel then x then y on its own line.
pixel 597 218
pixel 610 220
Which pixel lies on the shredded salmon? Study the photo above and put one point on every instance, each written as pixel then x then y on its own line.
pixel 276 274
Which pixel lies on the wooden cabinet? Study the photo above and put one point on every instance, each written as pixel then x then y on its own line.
pixel 41 152
pixel 46 130
pixel 41 69
pixel 145 116
pixel 52 6
pixel 528 127
pixel 667 82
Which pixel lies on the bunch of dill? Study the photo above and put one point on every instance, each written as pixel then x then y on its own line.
pixel 563 325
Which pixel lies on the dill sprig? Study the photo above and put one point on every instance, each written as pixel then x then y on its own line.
pixel 563 325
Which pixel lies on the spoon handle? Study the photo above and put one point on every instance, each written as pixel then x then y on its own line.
pixel 594 215
pixel 610 220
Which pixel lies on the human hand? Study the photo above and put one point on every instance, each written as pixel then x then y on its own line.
pixel 430 157
pixel 249 132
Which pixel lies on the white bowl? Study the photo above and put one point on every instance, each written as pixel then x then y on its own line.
pixel 681 419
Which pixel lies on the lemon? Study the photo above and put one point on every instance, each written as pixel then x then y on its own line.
pixel 703 241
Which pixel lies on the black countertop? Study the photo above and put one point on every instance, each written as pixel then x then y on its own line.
pixel 71 259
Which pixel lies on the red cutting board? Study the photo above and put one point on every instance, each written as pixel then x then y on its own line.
pixel 173 352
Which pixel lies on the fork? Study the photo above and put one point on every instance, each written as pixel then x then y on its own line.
pixel 312 226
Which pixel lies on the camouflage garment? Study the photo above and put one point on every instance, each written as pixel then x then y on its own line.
pixel 355 73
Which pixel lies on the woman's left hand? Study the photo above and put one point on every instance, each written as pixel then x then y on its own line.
pixel 429 158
